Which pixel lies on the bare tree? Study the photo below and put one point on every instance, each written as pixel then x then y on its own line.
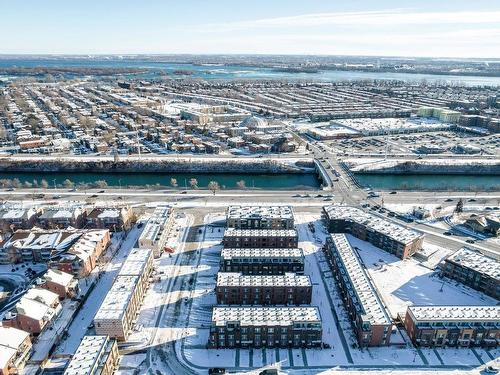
pixel 193 183
pixel 68 184
pixel 241 184
pixel 44 184
pixel 173 182
pixel 213 186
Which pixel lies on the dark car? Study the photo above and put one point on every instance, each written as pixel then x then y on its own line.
pixel 393 192
pixel 216 370
pixel 448 200
pixel 447 233
pixel 470 241
pixel 101 191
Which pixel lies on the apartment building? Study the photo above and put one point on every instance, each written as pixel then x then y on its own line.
pixel 118 311
pixel 13 218
pixel 260 261
pixel 453 325
pixel 475 270
pixel 112 218
pixel 369 317
pixel 265 327
pixel 260 238
pixel 34 311
pixel 15 350
pixel 59 282
pixel 81 258
pixel 36 245
pixel 260 217
pixel 391 237
pixel 287 289
pixel 155 233
pixel 61 217
pixel 96 355
pixel 139 263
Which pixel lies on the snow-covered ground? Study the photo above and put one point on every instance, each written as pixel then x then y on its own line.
pixel 85 316
pixel 188 312
pixel 405 282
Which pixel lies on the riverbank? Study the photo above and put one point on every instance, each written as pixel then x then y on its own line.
pixel 157 164
pixel 434 166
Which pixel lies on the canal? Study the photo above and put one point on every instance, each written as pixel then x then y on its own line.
pixel 430 182
pixel 225 180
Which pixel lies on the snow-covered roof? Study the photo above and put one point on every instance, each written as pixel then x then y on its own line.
pixel 476 261
pixel 6 356
pixel 57 240
pixel 58 277
pixel 260 212
pixel 42 295
pixel 287 280
pixel 11 337
pixel 116 302
pixel 136 262
pixel 456 313
pixel 88 355
pixel 267 253
pixel 388 228
pixel 34 309
pixel 265 316
pixel 366 299
pixel 231 232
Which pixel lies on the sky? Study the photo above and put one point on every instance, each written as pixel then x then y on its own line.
pixel 428 28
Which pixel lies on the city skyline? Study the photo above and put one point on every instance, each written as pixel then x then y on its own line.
pixel 388 28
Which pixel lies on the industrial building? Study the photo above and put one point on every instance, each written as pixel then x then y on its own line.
pixel 260 238
pixel 260 217
pixel 287 289
pixel 453 325
pixel 475 270
pixel 371 322
pixel 268 327
pixel 262 261
pixel 391 237
pixel 95 355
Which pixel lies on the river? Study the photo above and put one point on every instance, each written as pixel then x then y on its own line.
pixel 239 71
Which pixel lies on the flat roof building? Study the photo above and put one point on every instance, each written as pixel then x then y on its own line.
pixel 155 232
pixel 283 327
pixel 260 238
pixel 371 322
pixel 475 270
pixel 288 289
pixel 118 310
pixel 15 350
pixel 260 217
pixel 453 325
pixel 259 261
pixel 387 235
pixel 95 355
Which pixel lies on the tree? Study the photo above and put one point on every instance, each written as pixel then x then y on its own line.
pixel 16 183
pixel 173 182
pixel 100 184
pixel 213 186
pixel 68 184
pixel 193 183
pixel 241 184
pixel 44 184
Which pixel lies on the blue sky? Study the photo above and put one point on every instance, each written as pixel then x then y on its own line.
pixel 446 28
